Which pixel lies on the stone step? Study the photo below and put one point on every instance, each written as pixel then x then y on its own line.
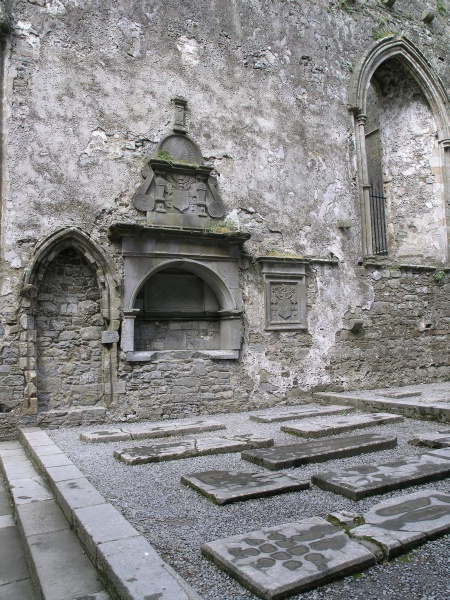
pixel 303 412
pixel 295 455
pixel 15 580
pixel 126 561
pixel 152 430
pixel 370 480
pixel 59 566
pixel 224 487
pixel 408 407
pixel 276 562
pixel 160 451
pixel 336 425
pixel 432 440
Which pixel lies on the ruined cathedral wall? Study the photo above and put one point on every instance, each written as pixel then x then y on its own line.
pixel 87 98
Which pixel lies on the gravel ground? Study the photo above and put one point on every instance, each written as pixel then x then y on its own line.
pixel 177 520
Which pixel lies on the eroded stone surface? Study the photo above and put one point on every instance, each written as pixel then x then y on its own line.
pixel 154 430
pixel 337 425
pixel 433 440
pixel 399 524
pixel 294 455
pixel 105 435
pixel 275 416
pixel 161 451
pixel 405 394
pixel 277 561
pixel 223 487
pixel 369 480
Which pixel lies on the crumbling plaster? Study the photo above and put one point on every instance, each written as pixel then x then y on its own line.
pixel 88 91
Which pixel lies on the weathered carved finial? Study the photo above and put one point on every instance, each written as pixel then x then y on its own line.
pixel 179 190
pixel 180 114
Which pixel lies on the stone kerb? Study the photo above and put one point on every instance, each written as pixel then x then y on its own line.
pixel 129 564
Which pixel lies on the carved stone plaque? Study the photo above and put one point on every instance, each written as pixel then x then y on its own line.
pixel 285 292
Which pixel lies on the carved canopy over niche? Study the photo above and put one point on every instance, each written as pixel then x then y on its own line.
pixel 179 190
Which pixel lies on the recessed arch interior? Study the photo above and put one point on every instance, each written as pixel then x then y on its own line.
pixel 215 282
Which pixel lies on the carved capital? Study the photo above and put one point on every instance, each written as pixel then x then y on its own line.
pixel 361 119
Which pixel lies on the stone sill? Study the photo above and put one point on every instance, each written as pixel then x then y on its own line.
pixel 157 355
pixel 382 264
pixel 296 259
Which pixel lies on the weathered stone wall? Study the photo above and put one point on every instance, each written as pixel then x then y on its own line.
pixel 405 331
pixel 416 206
pixel 87 95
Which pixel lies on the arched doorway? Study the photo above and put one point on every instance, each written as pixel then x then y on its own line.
pixel 69 327
pixel 69 310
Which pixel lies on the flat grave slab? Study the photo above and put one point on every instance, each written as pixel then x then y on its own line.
pixel 432 440
pixel 153 430
pixel 295 455
pixel 224 487
pixel 335 425
pixel 399 524
pixel 276 562
pixel 370 480
pixel 302 412
pixel 160 451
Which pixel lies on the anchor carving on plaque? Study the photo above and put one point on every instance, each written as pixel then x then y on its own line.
pixel 179 190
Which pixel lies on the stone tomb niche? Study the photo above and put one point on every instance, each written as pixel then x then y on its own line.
pixel 177 311
pixel 181 292
pixel 68 331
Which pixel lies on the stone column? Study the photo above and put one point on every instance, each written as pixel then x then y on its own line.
pixel 364 186
pixel 127 337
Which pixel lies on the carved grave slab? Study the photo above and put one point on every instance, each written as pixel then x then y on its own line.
pixel 337 425
pixel 276 562
pixel 223 487
pixel 152 430
pixel 370 480
pixel 290 414
pixel 295 455
pixel 160 451
pixel 399 524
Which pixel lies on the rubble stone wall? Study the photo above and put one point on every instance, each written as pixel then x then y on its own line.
pixel 405 329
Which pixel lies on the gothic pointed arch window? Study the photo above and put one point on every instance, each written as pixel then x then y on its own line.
pixel 402 142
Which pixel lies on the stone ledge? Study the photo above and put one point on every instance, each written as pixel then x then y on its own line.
pixel 156 355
